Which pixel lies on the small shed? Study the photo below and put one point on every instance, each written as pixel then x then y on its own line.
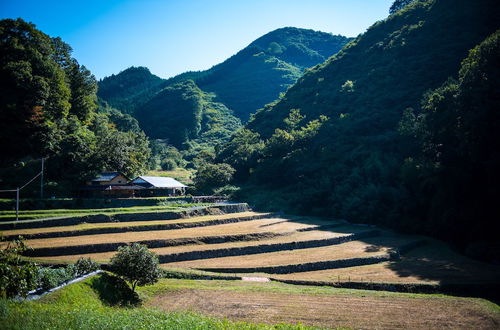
pixel 159 186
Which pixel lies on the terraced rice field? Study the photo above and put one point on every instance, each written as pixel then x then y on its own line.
pixel 262 244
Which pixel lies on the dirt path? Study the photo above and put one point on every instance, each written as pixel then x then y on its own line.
pixel 332 311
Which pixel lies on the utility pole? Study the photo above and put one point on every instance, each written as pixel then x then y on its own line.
pixel 17 204
pixel 41 180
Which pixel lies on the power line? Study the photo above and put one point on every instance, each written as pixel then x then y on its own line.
pixel 30 181
pixel 19 189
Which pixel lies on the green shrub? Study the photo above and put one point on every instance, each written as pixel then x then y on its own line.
pixel 17 277
pixel 136 264
pixel 85 265
pixel 49 278
pixel 227 191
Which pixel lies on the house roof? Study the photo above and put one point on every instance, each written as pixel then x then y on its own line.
pixel 107 176
pixel 159 182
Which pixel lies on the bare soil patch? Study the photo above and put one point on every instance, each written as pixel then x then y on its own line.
pixel 333 311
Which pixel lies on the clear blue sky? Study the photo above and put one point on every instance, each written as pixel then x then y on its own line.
pixel 174 36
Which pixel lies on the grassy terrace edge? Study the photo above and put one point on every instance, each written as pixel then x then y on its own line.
pixel 123 216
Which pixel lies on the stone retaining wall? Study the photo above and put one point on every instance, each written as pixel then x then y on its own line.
pixel 305 267
pixel 263 248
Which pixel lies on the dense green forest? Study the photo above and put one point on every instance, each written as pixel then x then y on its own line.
pixel 184 114
pixel 336 144
pixel 49 108
pixel 130 88
pixel 197 110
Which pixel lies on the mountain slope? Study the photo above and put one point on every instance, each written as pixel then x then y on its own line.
pixel 257 74
pixel 268 66
pixel 350 166
pixel 205 106
pixel 182 112
pixel 245 82
pixel 130 88
pixel 391 65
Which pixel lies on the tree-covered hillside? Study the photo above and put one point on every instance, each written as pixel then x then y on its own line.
pixel 130 88
pixel 245 82
pixel 351 164
pixel 257 74
pixel 199 110
pixel 48 108
pixel 182 113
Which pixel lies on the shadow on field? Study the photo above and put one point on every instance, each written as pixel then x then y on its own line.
pixel 114 291
pixel 432 260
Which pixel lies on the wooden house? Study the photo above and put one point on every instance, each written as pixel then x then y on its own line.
pixel 109 178
pixel 109 184
pixel 115 184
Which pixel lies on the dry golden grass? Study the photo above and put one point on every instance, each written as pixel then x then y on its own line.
pixel 246 227
pixel 377 273
pixel 336 310
pixel 293 237
pixel 126 224
pixel 353 249
pixel 432 263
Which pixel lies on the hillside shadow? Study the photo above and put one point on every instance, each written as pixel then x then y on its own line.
pixel 436 261
pixel 113 291
pixel 432 261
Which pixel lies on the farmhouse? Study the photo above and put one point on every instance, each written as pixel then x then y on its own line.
pixel 159 186
pixel 109 178
pixel 116 184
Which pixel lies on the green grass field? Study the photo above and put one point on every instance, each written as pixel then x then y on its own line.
pixel 103 301
pixel 43 214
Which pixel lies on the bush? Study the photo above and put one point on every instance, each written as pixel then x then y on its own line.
pixel 85 265
pixel 168 165
pixel 227 191
pixel 49 278
pixel 212 176
pixel 136 264
pixel 17 277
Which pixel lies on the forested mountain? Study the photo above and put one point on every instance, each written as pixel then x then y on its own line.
pixel 48 108
pixel 332 145
pixel 257 74
pixel 183 113
pixel 130 88
pixel 200 107
pixel 245 82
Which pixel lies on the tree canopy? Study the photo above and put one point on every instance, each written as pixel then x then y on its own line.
pixel 136 264
pixel 49 108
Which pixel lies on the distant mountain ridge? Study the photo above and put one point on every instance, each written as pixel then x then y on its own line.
pixel 129 88
pixel 242 84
